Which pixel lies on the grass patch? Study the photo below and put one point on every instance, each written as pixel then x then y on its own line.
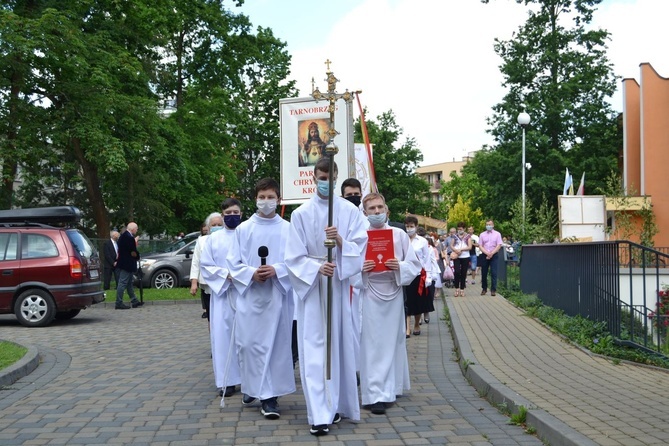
pixel 10 353
pixel 182 293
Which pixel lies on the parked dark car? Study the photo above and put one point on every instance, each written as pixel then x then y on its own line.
pixel 170 267
pixel 46 271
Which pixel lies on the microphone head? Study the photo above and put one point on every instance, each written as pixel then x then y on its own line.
pixel 263 251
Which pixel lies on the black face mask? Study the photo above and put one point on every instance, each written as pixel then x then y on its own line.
pixel 355 199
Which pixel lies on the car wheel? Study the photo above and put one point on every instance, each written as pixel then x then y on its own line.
pixel 164 279
pixel 65 315
pixel 35 308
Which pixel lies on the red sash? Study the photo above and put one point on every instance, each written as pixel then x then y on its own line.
pixel 421 284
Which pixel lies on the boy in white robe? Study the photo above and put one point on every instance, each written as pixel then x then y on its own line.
pixel 384 367
pixel 265 304
pixel 306 259
pixel 214 270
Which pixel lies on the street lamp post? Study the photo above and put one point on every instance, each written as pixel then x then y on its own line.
pixel 523 120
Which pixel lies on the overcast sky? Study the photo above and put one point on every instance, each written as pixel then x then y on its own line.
pixel 432 61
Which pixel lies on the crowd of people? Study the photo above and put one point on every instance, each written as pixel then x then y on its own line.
pixel 279 293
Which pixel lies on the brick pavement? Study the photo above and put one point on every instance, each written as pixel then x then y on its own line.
pixel 143 376
pixel 603 402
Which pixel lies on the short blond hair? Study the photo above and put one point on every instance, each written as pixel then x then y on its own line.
pixel 372 196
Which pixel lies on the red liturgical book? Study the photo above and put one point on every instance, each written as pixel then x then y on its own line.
pixel 380 248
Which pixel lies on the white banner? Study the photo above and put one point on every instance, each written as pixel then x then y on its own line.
pixel 304 126
pixel 362 168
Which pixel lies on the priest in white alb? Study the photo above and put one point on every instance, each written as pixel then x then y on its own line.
pixel 384 367
pixel 306 259
pixel 265 305
pixel 214 270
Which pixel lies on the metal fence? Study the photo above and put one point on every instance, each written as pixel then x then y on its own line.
pixel 618 282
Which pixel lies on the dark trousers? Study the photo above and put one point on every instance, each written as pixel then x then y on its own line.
pixel 206 301
pixel 485 265
pixel 108 271
pixel 460 267
pixel 125 284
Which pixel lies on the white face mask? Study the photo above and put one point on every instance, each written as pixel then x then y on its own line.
pixel 266 207
pixel 411 231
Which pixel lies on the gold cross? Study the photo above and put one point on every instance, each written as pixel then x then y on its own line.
pixel 327 63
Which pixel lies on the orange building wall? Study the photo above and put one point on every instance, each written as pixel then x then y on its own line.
pixel 646 134
pixel 655 149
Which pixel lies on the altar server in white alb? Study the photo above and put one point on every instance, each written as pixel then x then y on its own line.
pixel 306 259
pixel 214 270
pixel 384 368
pixel 265 304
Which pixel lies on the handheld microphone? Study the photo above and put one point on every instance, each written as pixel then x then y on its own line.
pixel 263 252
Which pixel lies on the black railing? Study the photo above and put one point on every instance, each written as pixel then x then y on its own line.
pixel 619 283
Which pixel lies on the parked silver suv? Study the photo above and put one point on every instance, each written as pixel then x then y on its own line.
pixel 170 267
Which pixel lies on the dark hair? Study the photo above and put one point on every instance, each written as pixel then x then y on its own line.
pixel 350 182
pixel 461 224
pixel 323 165
pixel 410 219
pixel 268 183
pixel 229 202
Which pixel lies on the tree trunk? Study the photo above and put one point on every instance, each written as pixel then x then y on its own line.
pixel 92 181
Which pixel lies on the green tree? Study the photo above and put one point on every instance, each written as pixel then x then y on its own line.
pixel 557 66
pixel 84 84
pixel 395 164
pixel 462 211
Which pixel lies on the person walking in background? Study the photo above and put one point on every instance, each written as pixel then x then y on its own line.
pixel 213 223
pixel 328 400
pixel 128 256
pixel 214 270
pixel 490 242
pixel 265 303
pixel 351 190
pixel 110 251
pixel 461 244
pixel 384 367
pixel 417 302
pixel 474 253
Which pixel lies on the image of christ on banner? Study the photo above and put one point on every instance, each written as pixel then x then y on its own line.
pixel 312 139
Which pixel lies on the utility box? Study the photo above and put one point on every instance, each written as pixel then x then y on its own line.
pixel 582 217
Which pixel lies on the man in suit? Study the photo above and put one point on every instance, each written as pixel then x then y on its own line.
pixel 110 250
pixel 128 256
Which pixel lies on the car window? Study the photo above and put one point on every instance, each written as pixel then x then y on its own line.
pixel 81 243
pixel 35 246
pixel 9 244
pixel 190 246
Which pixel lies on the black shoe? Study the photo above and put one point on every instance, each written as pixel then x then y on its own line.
pixel 229 391
pixel 247 400
pixel 137 304
pixel 270 409
pixel 204 315
pixel 122 307
pixel 318 430
pixel 378 408
pixel 336 419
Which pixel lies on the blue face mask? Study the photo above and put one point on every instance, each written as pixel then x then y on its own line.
pixel 232 220
pixel 214 229
pixel 377 220
pixel 323 187
pixel 488 228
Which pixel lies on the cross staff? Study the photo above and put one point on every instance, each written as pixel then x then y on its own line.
pixel 331 150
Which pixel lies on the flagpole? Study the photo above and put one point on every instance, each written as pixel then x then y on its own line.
pixel 331 150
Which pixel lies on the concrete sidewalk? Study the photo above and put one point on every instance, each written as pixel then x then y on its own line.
pixel 573 397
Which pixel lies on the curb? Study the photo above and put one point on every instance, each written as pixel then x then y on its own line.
pixel 23 367
pixel 548 428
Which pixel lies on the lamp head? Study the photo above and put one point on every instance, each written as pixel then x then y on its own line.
pixel 523 119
